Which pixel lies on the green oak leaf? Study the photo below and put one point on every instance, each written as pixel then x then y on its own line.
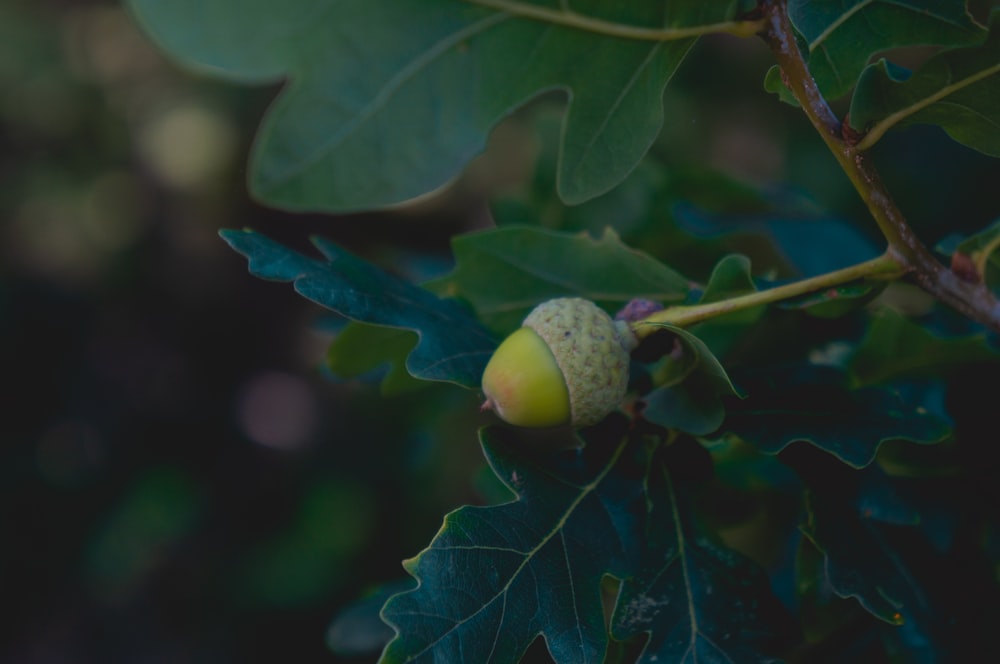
pixel 360 349
pixel 452 346
pixel 388 99
pixel 697 600
pixel 692 383
pixel 865 561
pixel 640 205
pixel 813 404
pixel 896 347
pixel 869 492
pixel 878 540
pixel 775 84
pixel 957 89
pixel 625 207
pixel 731 277
pixel 503 273
pixel 843 36
pixel 495 578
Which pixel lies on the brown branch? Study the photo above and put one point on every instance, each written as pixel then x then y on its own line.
pixel 972 299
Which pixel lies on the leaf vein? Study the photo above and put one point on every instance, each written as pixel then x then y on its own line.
pixel 614 106
pixel 556 529
pixel 391 86
pixel 835 25
pixel 886 123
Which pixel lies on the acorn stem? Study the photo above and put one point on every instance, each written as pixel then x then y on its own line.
pixel 885 267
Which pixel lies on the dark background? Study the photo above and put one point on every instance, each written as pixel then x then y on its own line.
pixel 178 479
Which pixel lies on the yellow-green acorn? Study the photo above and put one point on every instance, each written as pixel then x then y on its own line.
pixel 568 363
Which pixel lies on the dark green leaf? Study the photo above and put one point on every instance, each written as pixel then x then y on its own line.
pixel 774 83
pixel 503 273
pixel 730 278
pixel 452 345
pixel 879 500
pixel 625 208
pixel 959 90
pixel 843 36
pixel 698 601
pixel 640 205
pixel 811 245
pixel 744 468
pixel 869 492
pixel 897 546
pixel 813 404
pixel 388 99
pixel 882 541
pixel 495 578
pixel 896 347
pixel 819 608
pixel 692 384
pixel 360 349
pixel 862 562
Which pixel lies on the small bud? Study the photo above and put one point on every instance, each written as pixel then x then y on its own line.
pixel 965 268
pixel 637 309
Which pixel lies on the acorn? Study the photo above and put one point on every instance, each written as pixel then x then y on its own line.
pixel 568 363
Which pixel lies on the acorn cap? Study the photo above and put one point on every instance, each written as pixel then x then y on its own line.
pixel 592 352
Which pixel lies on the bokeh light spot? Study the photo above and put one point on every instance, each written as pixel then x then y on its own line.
pixel 278 410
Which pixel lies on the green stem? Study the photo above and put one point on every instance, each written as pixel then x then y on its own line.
pixel 570 18
pixel 886 266
pixel 970 297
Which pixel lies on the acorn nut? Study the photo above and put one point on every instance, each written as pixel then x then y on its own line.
pixel 568 363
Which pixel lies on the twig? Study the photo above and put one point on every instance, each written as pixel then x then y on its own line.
pixel 572 19
pixel 886 266
pixel 974 300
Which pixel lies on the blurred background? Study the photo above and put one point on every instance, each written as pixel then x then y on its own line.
pixel 180 477
pixel 179 480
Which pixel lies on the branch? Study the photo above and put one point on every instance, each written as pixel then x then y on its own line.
pixel 970 296
pixel 569 18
